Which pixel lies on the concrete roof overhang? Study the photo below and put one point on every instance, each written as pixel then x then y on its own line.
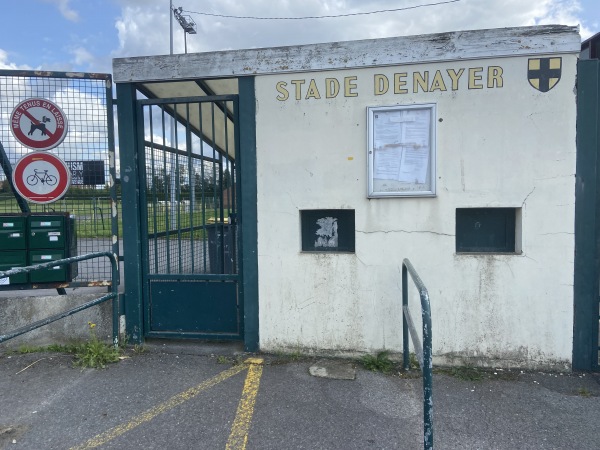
pixel 217 73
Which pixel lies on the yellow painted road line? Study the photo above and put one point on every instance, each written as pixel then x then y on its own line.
pixel 243 417
pixel 150 414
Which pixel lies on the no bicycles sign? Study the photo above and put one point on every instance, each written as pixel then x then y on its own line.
pixel 41 177
pixel 38 123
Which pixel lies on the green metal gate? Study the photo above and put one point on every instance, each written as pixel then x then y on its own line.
pixel 188 204
pixel 586 348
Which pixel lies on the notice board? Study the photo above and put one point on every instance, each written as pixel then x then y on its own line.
pixel 401 150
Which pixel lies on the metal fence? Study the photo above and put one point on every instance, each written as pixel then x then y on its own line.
pixel 189 191
pixel 88 150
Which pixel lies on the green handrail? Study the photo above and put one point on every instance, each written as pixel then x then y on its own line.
pixel 113 294
pixel 424 352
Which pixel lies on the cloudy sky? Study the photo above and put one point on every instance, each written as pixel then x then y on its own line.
pixel 84 35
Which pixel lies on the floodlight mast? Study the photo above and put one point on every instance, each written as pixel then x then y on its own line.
pixel 186 22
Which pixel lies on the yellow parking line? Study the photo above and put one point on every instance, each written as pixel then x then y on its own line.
pixel 150 414
pixel 243 417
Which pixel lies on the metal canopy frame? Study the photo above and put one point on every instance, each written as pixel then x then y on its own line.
pixel 194 88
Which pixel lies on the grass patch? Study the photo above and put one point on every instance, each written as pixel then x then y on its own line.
pixel 294 356
pixel 25 349
pixel 91 354
pixel 56 348
pixel 378 363
pixel 464 373
pixel 139 349
pixel 96 354
pixel 233 360
pixel 287 357
pixel 413 362
pixel 584 392
pixel 69 348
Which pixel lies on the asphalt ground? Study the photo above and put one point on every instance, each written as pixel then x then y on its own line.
pixel 198 397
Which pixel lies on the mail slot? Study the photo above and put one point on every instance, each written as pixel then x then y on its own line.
pixel 58 273
pixel 11 260
pixel 52 237
pixel 48 231
pixel 13 232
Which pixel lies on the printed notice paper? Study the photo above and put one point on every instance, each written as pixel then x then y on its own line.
pixel 402 145
pixel 401 150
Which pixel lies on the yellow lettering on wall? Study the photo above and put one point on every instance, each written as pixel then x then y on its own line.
pixel 382 84
pixel 494 78
pixel 420 81
pixel 455 76
pixel 283 93
pixel 438 82
pixel 349 87
pixel 312 92
pixel 474 77
pixel 442 80
pixel 332 87
pixel 399 83
pixel 298 84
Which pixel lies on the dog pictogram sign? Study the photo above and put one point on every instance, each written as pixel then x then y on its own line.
pixel 38 123
pixel 41 177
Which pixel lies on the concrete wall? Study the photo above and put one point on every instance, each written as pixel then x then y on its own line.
pixel 20 311
pixel 502 144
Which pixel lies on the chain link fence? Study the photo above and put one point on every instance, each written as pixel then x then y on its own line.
pixel 88 151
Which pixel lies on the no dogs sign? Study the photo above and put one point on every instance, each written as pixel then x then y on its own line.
pixel 38 123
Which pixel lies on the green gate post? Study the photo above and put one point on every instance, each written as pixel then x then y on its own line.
pixel 248 215
pixel 587 219
pixel 132 263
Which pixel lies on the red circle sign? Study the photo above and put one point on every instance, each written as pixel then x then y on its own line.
pixel 41 177
pixel 38 123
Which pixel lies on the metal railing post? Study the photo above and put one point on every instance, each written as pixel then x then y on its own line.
pixel 424 353
pixel 405 349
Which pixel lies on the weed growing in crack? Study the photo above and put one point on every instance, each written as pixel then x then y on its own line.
pixel 95 353
pixel 584 392
pixel 378 363
pixel 464 373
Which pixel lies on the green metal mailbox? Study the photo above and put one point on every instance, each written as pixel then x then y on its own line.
pixel 13 233
pixel 52 237
pixel 13 246
pixel 35 238
pixel 47 231
pixel 54 274
pixel 12 259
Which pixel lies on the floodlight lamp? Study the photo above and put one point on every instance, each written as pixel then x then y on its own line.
pixel 186 22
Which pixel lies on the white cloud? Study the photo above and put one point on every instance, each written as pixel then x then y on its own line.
pixel 143 27
pixel 5 64
pixel 65 9
pixel 82 56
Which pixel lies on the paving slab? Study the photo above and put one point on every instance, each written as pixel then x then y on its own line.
pixel 333 369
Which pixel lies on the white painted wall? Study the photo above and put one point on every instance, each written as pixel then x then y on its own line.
pixel 496 147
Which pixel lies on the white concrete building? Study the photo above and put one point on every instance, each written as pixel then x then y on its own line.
pixel 457 151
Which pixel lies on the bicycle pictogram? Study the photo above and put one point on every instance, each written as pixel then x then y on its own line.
pixel 41 176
